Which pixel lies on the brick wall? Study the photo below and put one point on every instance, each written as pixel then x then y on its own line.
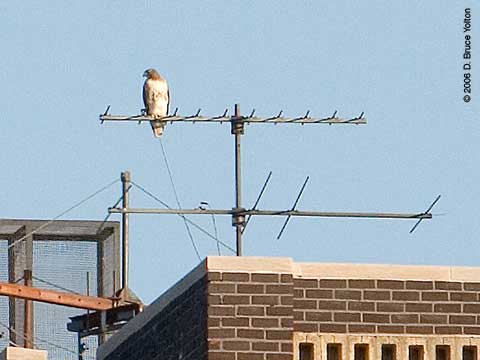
pixel 386 306
pixel 177 332
pixel 236 308
pixel 250 316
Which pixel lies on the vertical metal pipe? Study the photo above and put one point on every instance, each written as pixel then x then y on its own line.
pixel 80 346
pixel 27 276
pixel 238 221
pixel 88 294
pixel 28 319
pixel 238 191
pixel 12 277
pixel 125 187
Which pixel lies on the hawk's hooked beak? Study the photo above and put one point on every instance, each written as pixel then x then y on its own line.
pixel 145 74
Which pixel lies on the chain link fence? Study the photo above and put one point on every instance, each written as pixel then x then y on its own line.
pixel 73 256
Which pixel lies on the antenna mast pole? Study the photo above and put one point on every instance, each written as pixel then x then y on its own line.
pixel 238 217
pixel 125 176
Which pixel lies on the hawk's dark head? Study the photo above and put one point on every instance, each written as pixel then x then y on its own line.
pixel 152 74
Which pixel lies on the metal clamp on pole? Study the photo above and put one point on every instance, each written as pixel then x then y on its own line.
pixel 238 217
pixel 238 126
pixel 238 221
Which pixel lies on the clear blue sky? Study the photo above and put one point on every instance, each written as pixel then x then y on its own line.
pixel 400 62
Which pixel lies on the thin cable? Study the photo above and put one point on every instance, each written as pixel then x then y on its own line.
pixel 55 285
pixel 17 333
pixel 151 195
pixel 63 213
pixel 108 214
pixel 214 224
pixel 184 217
pixel 216 232
pixel 178 200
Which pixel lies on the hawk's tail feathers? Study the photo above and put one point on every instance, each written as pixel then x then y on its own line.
pixel 157 127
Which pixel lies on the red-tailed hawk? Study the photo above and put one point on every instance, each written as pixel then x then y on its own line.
pixel 156 98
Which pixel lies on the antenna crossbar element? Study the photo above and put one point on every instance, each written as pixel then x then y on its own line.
pixel 427 211
pixel 370 215
pixel 258 200
pixel 293 208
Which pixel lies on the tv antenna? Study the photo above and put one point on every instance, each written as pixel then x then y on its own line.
pixel 240 215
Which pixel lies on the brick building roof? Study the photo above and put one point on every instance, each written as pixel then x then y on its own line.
pixel 238 308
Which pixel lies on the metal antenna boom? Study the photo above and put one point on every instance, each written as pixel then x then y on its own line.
pixel 300 213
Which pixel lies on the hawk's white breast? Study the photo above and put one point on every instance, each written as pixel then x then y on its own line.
pixel 156 97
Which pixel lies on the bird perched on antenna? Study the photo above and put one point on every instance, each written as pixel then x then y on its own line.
pixel 156 98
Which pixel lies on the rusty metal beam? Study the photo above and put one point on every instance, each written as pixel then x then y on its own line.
pixel 56 297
